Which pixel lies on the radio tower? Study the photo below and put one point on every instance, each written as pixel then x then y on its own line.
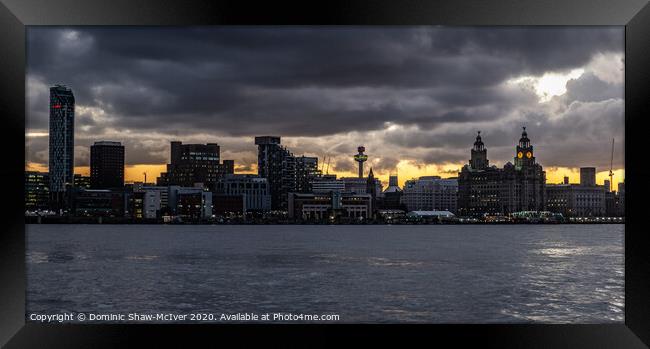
pixel 361 158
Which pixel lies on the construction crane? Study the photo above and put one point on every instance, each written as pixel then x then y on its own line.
pixel 327 171
pixel 611 168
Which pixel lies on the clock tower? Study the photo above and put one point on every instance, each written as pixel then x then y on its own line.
pixel 524 156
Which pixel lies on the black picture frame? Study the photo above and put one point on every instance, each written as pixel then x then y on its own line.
pixel 633 14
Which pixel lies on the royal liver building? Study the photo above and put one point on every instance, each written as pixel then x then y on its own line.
pixel 488 190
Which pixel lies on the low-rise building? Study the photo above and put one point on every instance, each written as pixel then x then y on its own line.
pixel 310 206
pixel 37 192
pixel 253 189
pixel 190 202
pixel 575 200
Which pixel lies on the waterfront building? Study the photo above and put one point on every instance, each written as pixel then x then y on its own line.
pixel 61 143
pixel 392 196
pixel 284 172
pixel 430 193
pixel 193 203
pixel 81 181
pixel 227 204
pixel 253 190
pixel 523 188
pixel 485 190
pixel 148 202
pixel 479 185
pixel 98 202
pixel 327 183
pixel 106 165
pixel 306 171
pixel 37 192
pixel 621 199
pixel 335 205
pixel 430 216
pixel 576 200
pixel 195 163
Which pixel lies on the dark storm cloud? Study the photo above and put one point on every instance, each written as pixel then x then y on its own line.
pixel 297 81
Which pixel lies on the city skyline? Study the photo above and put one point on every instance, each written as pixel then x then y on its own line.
pixel 416 107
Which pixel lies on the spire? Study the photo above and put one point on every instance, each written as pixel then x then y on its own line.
pixel 370 174
pixel 524 142
pixel 478 144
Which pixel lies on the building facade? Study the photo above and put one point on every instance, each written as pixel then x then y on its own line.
pixel 586 199
pixel 191 203
pixel 335 205
pixel 106 165
pixel 37 191
pixel 61 143
pixel 479 185
pixel 327 183
pixel 576 200
pixel 430 193
pixel 284 172
pixel 81 181
pixel 254 190
pixel 487 190
pixel 195 163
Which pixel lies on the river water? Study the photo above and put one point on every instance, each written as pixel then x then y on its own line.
pixel 364 274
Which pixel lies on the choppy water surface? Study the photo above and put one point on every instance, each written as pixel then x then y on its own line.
pixel 427 273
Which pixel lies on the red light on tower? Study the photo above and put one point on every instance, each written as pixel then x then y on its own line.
pixel 56 106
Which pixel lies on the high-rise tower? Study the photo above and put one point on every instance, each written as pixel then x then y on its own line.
pixel 361 158
pixel 61 146
pixel 106 165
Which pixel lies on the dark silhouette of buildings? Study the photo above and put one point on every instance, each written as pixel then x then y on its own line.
pixel 106 165
pixel 488 190
pixel 284 172
pixel 37 191
pixel 195 163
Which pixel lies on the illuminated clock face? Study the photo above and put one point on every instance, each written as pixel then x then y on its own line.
pixel 529 155
pixel 520 155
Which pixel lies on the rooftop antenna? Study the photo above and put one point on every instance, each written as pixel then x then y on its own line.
pixel 611 167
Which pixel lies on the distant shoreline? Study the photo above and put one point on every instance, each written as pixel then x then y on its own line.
pixel 114 221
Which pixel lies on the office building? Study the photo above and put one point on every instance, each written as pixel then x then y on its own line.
pixel 195 163
pixel 98 202
pixel 285 173
pixel 81 181
pixel 37 191
pixel 61 143
pixel 106 165
pixel 576 200
pixel 430 193
pixel 254 191
pixel 587 176
pixel 190 203
pixel 327 183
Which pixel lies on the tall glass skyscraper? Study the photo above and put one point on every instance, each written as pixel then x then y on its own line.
pixel 61 162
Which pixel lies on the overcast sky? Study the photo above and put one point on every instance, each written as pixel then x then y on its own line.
pixel 414 96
